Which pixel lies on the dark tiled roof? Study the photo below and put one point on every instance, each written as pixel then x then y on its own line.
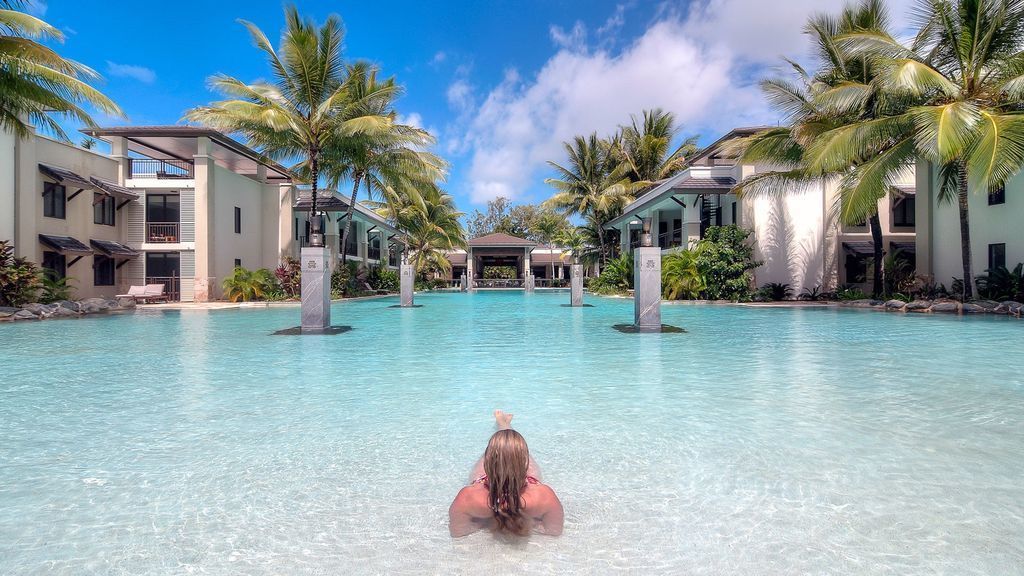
pixel 113 249
pixel 457 259
pixel 115 190
pixel 326 200
pixel 548 257
pixel 712 183
pixel 66 177
pixel 860 247
pixel 908 247
pixel 65 244
pixel 500 239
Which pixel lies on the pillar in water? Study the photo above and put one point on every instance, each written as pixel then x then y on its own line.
pixel 408 282
pixel 647 288
pixel 576 285
pixel 316 289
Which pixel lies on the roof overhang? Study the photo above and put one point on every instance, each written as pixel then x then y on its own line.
pixel 333 201
pixel 860 248
pixel 177 143
pixel 691 181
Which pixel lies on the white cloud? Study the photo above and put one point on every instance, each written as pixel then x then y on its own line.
pixel 574 39
pixel 701 63
pixel 140 73
pixel 414 119
pixel 438 58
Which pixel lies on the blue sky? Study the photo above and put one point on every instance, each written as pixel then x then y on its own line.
pixel 500 84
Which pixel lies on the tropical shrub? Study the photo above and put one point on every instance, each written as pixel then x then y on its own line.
pixel 55 288
pixel 1002 284
pixel 289 277
pixel 850 293
pixel 19 278
pixel 680 277
pixel 499 272
pixel 382 278
pixel 812 294
pixel 725 259
pixel 349 280
pixel 898 275
pixel 244 285
pixel 616 276
pixel 775 291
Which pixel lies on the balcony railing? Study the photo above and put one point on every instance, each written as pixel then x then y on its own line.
pixel 172 285
pixel 551 282
pixel 160 169
pixel 162 232
pixel 671 239
pixel 373 252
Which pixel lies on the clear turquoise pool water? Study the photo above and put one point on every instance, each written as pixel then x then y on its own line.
pixel 763 441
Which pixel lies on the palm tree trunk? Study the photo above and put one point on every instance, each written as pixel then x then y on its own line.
pixel 965 230
pixel 875 224
pixel 356 177
pixel 600 239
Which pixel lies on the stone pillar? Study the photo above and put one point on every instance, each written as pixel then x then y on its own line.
pixel 529 283
pixel 316 289
pixel 407 278
pixel 465 283
pixel 576 285
pixel 470 268
pixel 205 281
pixel 624 238
pixel 647 288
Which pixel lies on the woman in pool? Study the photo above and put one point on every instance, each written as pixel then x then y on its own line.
pixel 505 493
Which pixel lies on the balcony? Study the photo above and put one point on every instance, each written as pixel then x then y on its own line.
pixel 160 169
pixel 162 232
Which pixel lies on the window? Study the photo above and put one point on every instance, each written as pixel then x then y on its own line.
pixel 238 220
pixel 54 200
pixel 296 229
pixel 856 268
pixel 997 196
pixel 996 256
pixel 238 262
pixel 734 213
pixel 163 208
pixel 903 211
pixel 102 271
pixel 55 263
pixel 103 209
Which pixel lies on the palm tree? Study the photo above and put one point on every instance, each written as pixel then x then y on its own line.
pixel 841 126
pixel 587 187
pixel 546 228
pixel 307 110
pixel 36 83
pixel 645 147
pixel 388 159
pixel 431 224
pixel 966 63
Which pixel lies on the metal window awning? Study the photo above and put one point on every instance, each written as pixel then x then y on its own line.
pixel 860 248
pixel 119 193
pixel 65 244
pixel 905 247
pixel 66 177
pixel 113 249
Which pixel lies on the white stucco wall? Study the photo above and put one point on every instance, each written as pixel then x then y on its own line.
pixel 788 235
pixel 232 190
pixel 1001 223
pixel 7 177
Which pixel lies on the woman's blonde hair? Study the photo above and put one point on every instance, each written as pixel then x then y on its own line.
pixel 505 462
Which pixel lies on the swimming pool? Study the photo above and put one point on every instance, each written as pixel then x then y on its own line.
pixel 768 441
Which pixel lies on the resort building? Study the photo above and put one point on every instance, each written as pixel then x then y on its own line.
pixel 180 206
pixel 796 237
pixel 997 237
pixel 545 263
pixel 372 241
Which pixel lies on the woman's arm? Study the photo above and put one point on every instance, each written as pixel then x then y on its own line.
pixel 554 517
pixel 460 515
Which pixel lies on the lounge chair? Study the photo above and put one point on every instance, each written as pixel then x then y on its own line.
pixel 134 292
pixel 154 292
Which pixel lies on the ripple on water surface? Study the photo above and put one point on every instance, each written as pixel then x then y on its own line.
pixel 767 441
